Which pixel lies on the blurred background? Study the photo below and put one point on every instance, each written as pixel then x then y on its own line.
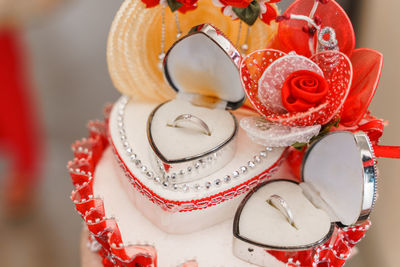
pixel 68 84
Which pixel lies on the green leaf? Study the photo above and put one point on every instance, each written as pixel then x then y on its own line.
pixel 174 5
pixel 327 127
pixel 324 131
pixel 336 125
pixel 299 146
pixel 248 14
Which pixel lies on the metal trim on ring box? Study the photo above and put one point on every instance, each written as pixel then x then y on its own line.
pixel 369 171
pixel 200 165
pixel 191 168
pixel 195 157
pixel 225 44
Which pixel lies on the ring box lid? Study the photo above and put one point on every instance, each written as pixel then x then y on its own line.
pixel 205 63
pixel 341 167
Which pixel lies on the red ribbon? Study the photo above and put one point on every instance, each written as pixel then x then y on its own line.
pixel 392 152
pixel 374 130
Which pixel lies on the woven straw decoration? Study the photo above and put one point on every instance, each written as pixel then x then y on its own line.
pixel 135 43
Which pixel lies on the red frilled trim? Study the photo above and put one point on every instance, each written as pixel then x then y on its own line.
pixel 334 253
pixel 103 230
pixel 197 204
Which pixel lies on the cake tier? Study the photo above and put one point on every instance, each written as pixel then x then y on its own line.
pixel 183 208
pixel 209 247
pixel 120 233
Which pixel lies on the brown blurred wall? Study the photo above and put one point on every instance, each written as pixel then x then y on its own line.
pixel 70 73
pixel 379 29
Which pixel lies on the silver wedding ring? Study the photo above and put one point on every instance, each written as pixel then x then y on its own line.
pixel 280 204
pixel 193 119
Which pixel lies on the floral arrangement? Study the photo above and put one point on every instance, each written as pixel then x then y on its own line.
pixel 311 80
pixel 246 10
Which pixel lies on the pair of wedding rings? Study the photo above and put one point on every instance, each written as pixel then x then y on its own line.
pixel 275 201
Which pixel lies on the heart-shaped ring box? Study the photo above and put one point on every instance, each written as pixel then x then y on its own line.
pixel 202 67
pixel 338 190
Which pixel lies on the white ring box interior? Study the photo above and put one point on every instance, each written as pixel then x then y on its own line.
pixel 338 189
pixel 202 68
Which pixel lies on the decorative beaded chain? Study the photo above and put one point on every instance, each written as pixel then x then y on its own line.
pixel 166 183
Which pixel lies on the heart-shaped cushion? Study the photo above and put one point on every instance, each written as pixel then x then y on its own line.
pixel 258 222
pixel 188 142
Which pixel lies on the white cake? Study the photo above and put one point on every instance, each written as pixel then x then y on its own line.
pixel 170 179
pixel 204 235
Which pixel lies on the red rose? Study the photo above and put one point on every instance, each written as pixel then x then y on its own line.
pixel 269 15
pixel 188 2
pixel 236 3
pixel 188 5
pixel 303 90
pixel 151 3
pixel 183 9
pixel 310 98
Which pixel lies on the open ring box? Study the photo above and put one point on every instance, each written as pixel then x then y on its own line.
pixel 202 68
pixel 338 190
pixel 181 179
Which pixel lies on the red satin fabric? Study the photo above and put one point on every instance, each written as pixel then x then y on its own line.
pixel 19 127
pixel 303 90
pixel 387 151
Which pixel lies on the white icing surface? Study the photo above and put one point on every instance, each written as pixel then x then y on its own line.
pixel 136 115
pixel 188 140
pixel 179 222
pixel 211 247
pixel 264 224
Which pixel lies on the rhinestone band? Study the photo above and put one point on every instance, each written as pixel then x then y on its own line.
pixel 201 163
pixel 169 183
pixel 331 43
